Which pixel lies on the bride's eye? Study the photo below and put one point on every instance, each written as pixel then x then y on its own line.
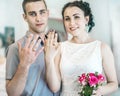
pixel 67 19
pixel 77 17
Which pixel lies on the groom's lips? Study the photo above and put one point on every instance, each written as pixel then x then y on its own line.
pixel 39 25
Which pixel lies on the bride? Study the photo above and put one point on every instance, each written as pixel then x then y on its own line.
pixel 82 54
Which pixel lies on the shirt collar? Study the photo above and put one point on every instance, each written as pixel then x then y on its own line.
pixel 28 33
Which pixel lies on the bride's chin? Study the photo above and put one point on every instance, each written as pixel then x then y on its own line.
pixel 76 34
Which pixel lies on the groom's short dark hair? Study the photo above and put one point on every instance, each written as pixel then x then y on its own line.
pixel 28 1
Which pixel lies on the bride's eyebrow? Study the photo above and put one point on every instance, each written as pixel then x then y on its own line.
pixel 43 10
pixel 76 14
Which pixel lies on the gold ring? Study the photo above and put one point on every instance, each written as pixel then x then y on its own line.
pixel 34 49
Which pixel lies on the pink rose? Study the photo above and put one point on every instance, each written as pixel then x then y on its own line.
pixel 82 79
pixel 90 82
pixel 93 80
pixel 91 74
pixel 83 75
pixel 100 77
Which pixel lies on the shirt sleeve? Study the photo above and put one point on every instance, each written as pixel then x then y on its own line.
pixel 12 61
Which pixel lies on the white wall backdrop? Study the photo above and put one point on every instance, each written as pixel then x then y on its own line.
pixel 11 16
pixel 115 24
pixel 2 15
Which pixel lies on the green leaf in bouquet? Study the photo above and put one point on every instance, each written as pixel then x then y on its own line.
pixel 87 91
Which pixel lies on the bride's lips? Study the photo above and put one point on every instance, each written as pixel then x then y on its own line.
pixel 73 28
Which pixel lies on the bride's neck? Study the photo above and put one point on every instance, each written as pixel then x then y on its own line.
pixel 81 39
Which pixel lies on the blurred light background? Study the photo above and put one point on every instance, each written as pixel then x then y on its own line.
pixel 106 15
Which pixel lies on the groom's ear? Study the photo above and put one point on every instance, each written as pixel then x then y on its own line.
pixel 25 17
pixel 48 13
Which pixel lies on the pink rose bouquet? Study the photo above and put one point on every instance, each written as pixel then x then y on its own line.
pixel 90 82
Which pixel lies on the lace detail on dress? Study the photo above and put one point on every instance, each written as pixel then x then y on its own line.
pixel 75 60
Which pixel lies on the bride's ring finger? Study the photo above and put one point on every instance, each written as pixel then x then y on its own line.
pixel 54 42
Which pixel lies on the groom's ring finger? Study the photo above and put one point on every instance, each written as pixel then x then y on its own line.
pixel 36 45
pixel 34 49
pixel 32 43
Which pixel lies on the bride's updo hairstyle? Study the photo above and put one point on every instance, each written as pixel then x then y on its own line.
pixel 84 6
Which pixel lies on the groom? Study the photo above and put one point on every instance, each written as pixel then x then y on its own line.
pixel 25 65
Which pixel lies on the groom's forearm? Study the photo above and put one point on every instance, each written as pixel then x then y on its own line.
pixel 16 86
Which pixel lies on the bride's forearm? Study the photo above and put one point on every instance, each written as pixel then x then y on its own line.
pixel 52 77
pixel 108 88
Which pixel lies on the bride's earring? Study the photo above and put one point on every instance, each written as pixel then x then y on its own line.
pixel 86 28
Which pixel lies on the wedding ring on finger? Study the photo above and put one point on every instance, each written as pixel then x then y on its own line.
pixel 36 45
pixel 54 43
pixel 34 49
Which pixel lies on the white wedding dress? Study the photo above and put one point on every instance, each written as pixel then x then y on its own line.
pixel 75 60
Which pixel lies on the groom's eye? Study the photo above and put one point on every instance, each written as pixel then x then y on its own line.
pixel 32 14
pixel 42 12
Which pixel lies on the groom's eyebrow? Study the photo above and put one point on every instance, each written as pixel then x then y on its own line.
pixel 32 12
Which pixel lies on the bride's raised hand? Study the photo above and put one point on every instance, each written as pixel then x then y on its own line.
pixel 51 45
